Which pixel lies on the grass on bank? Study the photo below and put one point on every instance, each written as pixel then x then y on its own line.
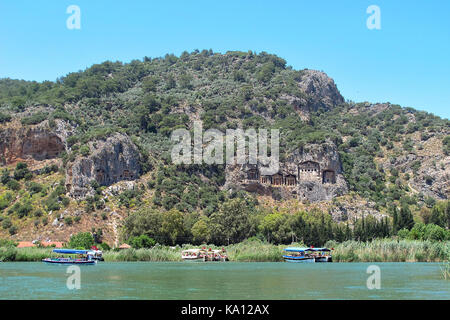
pixel 386 250
pixel 445 269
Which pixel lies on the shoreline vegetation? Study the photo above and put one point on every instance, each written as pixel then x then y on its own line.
pixel 253 250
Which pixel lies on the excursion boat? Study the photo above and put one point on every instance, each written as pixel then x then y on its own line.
pixel 193 255
pixel 322 255
pixel 96 254
pixel 294 254
pixel 204 255
pixel 83 257
pixel 217 255
pixel 299 255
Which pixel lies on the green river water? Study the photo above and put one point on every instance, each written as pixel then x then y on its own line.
pixel 230 280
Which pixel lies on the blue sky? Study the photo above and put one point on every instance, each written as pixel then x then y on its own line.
pixel 406 62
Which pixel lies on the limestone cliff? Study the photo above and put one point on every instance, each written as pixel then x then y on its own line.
pixel 321 89
pixel 38 142
pixel 111 160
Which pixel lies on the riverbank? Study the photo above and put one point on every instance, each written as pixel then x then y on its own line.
pixel 383 250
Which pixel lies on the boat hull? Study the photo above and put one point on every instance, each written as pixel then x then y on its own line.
pixel 193 259
pixel 299 260
pixel 54 261
pixel 324 259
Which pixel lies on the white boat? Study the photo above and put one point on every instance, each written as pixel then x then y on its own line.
pixel 322 255
pixel 204 255
pixel 217 255
pixel 194 255
pixel 96 254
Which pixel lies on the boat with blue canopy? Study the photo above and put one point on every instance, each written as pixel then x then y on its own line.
pixel 298 254
pixel 81 257
pixel 322 254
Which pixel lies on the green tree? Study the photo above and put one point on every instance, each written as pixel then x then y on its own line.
pixel 142 241
pixel 172 225
pixel 231 223
pixel 144 221
pixel 201 231
pixel 405 220
pixel 83 240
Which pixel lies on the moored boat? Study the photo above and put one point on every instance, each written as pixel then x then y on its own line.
pixel 83 257
pixel 298 255
pixel 204 255
pixel 322 255
pixel 295 254
pixel 193 255
pixel 96 254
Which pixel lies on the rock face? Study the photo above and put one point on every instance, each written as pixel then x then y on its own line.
pixel 432 178
pixel 35 142
pixel 321 89
pixel 111 160
pixel 313 174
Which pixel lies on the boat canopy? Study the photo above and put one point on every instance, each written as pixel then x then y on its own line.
pixel 70 251
pixel 192 250
pixel 296 249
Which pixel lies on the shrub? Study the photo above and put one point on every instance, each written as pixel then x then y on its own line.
pixel 12 230
pixel 4 117
pixel 35 118
pixel 5 200
pixel 104 246
pixel 85 150
pixel 34 187
pixel 68 221
pixel 38 213
pixel 21 171
pixel 24 209
pixel 435 233
pixel 13 185
pixel 5 176
pixel 6 224
pixel 403 234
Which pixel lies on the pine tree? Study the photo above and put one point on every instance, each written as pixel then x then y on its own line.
pixel 406 220
pixel 395 226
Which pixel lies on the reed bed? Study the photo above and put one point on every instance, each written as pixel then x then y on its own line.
pixel 247 251
pixel 445 269
pixel 255 251
pixel 382 250
pixel 8 254
pixel 157 253
pixel 388 250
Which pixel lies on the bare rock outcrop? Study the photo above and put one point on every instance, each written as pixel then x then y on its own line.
pixel 111 160
pixel 320 88
pixel 38 142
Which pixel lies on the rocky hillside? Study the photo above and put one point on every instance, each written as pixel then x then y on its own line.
pixel 87 150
